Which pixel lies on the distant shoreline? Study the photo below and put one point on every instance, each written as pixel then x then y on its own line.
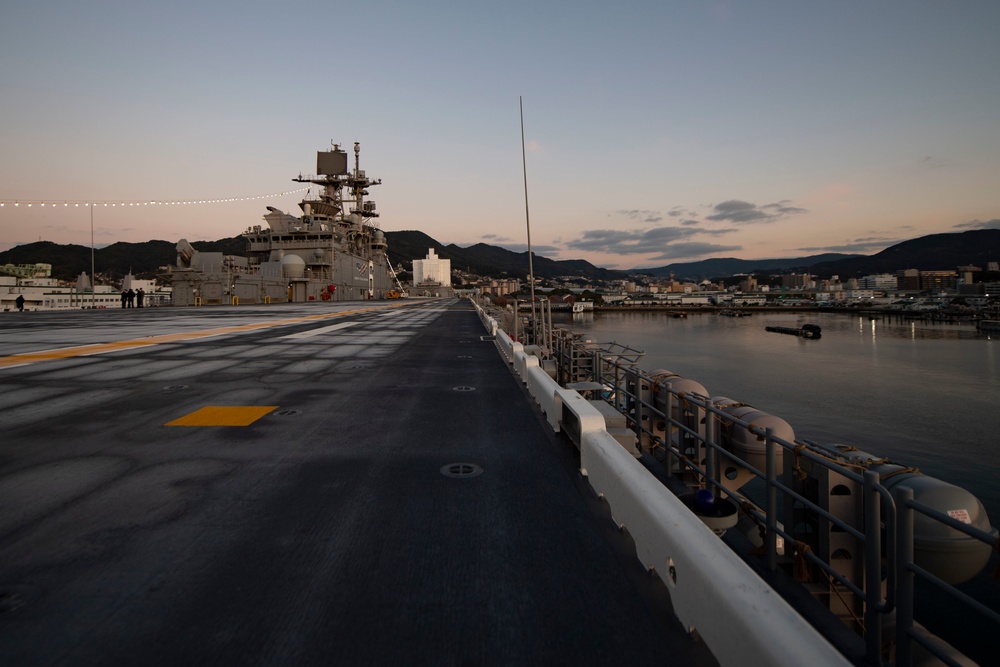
pixel 938 316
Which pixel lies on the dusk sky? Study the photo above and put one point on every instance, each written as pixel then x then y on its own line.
pixel 656 132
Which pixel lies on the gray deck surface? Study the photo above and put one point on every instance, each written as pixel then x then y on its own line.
pixel 322 533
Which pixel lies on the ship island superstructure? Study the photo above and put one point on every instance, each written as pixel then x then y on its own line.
pixel 333 252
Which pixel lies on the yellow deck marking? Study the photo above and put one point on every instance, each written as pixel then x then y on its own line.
pixel 224 415
pixel 101 348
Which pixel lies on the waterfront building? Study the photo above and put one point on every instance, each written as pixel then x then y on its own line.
pixel 797 281
pixel 939 280
pixel 501 287
pixel 880 281
pixel 37 270
pixel 966 274
pixel 432 270
pixel 984 289
pixel 432 275
pixel 908 280
pixel 749 300
pixel 49 294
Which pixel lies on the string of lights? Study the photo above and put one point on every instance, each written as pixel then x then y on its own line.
pixel 66 203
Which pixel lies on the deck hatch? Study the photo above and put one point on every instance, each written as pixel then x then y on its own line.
pixel 461 470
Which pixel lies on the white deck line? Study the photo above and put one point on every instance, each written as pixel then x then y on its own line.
pixel 321 330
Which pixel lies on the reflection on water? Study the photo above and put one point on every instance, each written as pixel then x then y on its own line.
pixel 922 393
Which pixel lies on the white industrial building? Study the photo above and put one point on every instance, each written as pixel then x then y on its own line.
pixel 431 271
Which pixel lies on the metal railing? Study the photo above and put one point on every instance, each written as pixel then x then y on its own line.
pixel 691 437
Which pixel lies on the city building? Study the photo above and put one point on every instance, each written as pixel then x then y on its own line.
pixel 939 281
pixel 796 281
pixel 432 270
pixel 908 280
pixel 880 281
pixel 432 275
pixel 500 287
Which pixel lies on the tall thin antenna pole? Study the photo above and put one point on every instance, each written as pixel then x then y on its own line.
pixel 93 278
pixel 527 219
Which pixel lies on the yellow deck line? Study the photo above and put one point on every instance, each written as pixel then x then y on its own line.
pixel 115 346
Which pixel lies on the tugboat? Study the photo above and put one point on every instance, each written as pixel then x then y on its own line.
pixel 805 331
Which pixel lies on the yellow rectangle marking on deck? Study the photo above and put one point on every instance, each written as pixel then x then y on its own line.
pixel 224 415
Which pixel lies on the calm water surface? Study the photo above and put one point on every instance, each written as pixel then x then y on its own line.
pixel 922 394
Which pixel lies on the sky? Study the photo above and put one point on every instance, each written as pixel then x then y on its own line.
pixel 654 132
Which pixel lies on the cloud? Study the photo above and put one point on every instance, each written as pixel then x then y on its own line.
pixel 641 215
pixel 56 229
pixel 718 232
pixel 979 224
pixel 680 212
pixel 693 250
pixel 663 242
pixel 628 241
pixel 738 211
pixel 932 162
pixel 523 247
pixel 862 246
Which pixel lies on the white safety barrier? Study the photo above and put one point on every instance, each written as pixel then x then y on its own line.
pixel 578 416
pixel 507 346
pixel 538 381
pixel 741 619
pixel 522 362
pixel 543 389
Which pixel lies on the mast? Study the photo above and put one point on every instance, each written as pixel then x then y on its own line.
pixel 527 220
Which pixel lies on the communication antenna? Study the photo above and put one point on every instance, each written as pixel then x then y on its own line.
pixel 527 218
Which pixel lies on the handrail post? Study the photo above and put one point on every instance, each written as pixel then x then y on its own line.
pixel 904 576
pixel 873 568
pixel 668 436
pixel 711 458
pixel 637 403
pixel 771 518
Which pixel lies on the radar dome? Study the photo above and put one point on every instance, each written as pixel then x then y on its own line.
pixel 293 266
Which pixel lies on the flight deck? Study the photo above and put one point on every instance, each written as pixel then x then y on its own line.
pixel 325 483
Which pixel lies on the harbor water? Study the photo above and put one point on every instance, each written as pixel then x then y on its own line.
pixel 923 394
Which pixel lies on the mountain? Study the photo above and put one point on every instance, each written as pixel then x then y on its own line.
pixel 113 261
pixel 935 252
pixel 928 253
pixel 730 266
pixel 144 259
pixel 489 260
